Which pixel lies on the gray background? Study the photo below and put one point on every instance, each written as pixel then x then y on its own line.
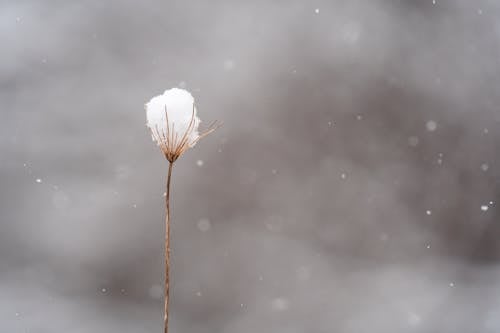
pixel 343 194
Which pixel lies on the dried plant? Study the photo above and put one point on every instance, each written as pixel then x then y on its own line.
pixel 174 126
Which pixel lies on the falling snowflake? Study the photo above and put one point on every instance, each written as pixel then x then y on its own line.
pixel 280 304
pixel 204 225
pixel 156 291
pixel 199 163
pixel 431 125
pixel 413 319
pixel 229 64
pixel 484 208
pixel 303 273
pixel 413 141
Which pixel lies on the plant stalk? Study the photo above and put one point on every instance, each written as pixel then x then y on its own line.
pixel 167 244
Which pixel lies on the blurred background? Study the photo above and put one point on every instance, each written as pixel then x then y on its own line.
pixel 353 187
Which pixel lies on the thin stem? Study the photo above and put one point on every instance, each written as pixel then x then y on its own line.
pixel 167 244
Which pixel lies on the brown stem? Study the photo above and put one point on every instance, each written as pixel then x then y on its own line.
pixel 167 244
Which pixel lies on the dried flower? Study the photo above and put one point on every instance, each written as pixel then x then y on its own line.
pixel 173 122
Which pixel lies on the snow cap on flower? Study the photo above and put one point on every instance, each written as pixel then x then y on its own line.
pixel 173 122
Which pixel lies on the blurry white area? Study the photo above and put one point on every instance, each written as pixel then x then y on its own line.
pixel 413 141
pixel 156 291
pixel 204 225
pixel 229 64
pixel 431 125
pixel 280 304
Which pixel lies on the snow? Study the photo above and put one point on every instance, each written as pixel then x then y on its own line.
pixel 38 180
pixel 204 225
pixel 280 304
pixel 484 208
pixel 156 291
pixel 413 141
pixel 343 176
pixel 431 125
pixel 199 163
pixel 414 319
pixel 485 167
pixel 350 34
pixel 428 212
pixel 316 10
pixel 229 65
pixel 178 105
pixel 303 273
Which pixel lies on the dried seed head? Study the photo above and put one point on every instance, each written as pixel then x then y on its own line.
pixel 173 122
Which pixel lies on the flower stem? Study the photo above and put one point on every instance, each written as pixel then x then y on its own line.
pixel 167 244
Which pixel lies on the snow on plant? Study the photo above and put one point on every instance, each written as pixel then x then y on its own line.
pixel 174 124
